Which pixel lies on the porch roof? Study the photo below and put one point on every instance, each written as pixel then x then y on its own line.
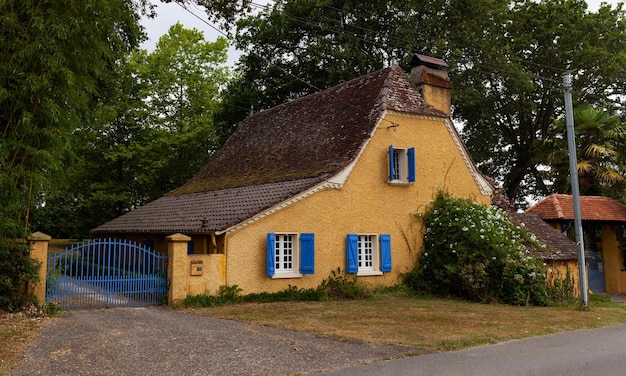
pixel 593 208
pixel 204 212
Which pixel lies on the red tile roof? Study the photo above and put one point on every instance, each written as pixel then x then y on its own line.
pixel 278 153
pixel 593 208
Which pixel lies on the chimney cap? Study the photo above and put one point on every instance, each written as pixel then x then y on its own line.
pixel 431 62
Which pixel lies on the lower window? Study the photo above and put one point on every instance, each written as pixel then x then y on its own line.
pixel 284 253
pixel 290 255
pixel 368 254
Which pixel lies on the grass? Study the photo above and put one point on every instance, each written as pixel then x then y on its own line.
pixel 17 330
pixel 423 323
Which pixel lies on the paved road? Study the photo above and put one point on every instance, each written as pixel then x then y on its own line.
pixel 159 341
pixel 580 353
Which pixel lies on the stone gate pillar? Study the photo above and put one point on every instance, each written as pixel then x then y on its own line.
pixel 39 251
pixel 177 267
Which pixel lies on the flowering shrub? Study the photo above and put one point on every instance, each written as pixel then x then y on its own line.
pixel 475 253
pixel 499 199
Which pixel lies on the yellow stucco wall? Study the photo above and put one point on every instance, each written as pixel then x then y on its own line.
pixel 196 274
pixel 561 269
pixel 365 204
pixel 613 260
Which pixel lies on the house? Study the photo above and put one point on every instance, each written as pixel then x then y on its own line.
pixel 603 222
pixel 331 180
pixel 558 252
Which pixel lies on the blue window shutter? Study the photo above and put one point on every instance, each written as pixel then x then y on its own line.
pixel 190 248
pixel 271 252
pixel 352 253
pixel 385 253
pixel 307 253
pixel 411 164
pixel 392 172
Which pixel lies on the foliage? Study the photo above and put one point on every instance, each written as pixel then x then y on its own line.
pixel 157 132
pixel 338 286
pixel 508 109
pixel 600 150
pixel 499 199
pixel 475 253
pixel 58 64
pixel 17 269
pixel 290 294
pixel 226 294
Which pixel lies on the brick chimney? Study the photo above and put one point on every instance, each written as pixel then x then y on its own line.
pixel 429 75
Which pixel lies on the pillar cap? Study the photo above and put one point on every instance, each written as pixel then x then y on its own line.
pixel 178 237
pixel 39 236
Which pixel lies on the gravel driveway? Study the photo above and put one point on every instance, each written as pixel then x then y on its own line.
pixel 157 340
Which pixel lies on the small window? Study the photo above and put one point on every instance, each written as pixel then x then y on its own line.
pixel 368 254
pixel 290 255
pixel 401 165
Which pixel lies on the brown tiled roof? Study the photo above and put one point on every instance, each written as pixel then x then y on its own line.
pixel 593 208
pixel 316 135
pixel 558 246
pixel 278 153
pixel 204 211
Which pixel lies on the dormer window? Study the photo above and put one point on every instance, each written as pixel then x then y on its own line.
pixel 401 165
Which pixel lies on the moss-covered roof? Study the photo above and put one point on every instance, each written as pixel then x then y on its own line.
pixel 313 136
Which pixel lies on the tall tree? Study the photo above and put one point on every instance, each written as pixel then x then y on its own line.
pixel 509 102
pixel 506 61
pixel 156 134
pixel 58 60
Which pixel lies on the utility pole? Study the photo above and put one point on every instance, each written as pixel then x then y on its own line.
pixel 571 146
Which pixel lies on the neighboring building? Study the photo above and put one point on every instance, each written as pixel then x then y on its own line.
pixel 331 180
pixel 559 252
pixel 603 221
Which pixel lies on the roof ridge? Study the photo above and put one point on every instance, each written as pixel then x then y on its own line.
pixel 557 206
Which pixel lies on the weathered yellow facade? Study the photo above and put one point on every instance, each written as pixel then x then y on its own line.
pixel 366 203
pixel 614 274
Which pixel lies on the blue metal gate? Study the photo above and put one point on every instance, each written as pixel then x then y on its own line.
pixel 595 269
pixel 103 273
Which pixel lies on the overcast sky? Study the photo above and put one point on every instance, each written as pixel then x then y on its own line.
pixel 169 13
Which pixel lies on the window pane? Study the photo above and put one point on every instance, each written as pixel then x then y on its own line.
pixel 284 253
pixel 366 252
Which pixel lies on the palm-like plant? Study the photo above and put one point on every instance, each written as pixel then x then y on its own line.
pixel 600 151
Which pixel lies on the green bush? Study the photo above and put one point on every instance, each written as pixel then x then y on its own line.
pixel 475 253
pixel 226 294
pixel 337 286
pixel 17 269
pixel 342 286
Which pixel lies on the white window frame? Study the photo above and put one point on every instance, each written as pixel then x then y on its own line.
pixel 279 270
pixel 365 265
